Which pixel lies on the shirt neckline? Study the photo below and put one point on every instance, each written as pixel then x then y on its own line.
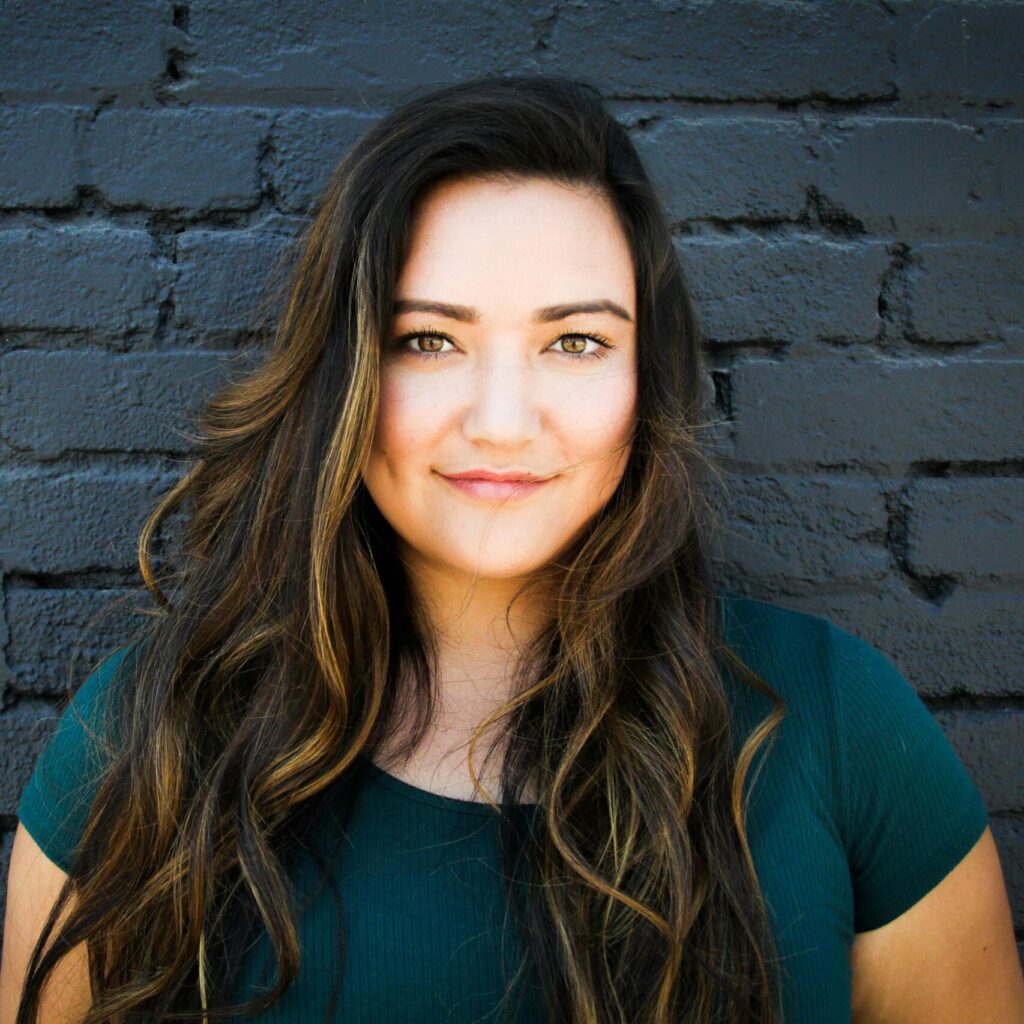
pixel 428 796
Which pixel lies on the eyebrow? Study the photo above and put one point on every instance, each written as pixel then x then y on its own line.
pixel 469 315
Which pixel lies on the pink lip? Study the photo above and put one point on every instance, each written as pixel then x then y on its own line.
pixel 494 490
pixel 487 474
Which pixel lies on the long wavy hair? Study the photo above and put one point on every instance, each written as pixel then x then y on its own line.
pixel 286 640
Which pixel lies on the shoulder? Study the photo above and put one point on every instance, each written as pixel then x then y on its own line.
pixel 110 669
pixel 832 681
pixel 800 652
pixel 88 719
pixel 845 701
pixel 90 709
pixel 790 650
pixel 764 630
pixel 905 807
pixel 54 803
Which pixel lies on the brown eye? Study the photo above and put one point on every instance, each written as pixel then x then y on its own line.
pixel 577 346
pixel 433 348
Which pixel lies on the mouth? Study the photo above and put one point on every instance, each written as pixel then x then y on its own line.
pixel 496 490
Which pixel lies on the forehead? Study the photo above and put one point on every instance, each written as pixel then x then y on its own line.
pixel 510 247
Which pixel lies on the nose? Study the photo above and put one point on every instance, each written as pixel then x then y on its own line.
pixel 503 403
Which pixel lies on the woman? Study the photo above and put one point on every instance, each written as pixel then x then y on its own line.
pixel 445 719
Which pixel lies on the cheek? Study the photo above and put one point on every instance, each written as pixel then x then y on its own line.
pixel 599 418
pixel 402 423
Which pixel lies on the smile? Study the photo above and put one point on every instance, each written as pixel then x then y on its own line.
pixel 495 490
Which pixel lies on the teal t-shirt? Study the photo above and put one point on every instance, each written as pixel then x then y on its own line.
pixel 860 808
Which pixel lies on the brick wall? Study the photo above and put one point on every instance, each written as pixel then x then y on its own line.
pixel 844 184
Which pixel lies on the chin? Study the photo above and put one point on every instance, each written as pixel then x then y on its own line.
pixel 494 565
pixel 506 570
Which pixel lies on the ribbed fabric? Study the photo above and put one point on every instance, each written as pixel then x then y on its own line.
pixel 858 809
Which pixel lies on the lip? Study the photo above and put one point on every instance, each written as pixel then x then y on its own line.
pixel 506 476
pixel 495 486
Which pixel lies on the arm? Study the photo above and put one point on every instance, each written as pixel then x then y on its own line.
pixel 950 958
pixel 33 883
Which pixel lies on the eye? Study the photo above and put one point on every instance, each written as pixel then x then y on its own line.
pixel 437 340
pixel 582 339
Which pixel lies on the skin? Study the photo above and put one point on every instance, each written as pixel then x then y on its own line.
pixel 508 392
pixel 950 959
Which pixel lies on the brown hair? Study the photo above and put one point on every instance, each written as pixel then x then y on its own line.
pixel 279 658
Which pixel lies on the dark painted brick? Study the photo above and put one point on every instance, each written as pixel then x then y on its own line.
pixel 729 168
pixel 56 631
pixel 6 676
pixel 37 156
pixel 106 279
pixel 722 51
pixel 830 410
pixel 960 52
pixel 222 275
pixel 967 645
pixel 1009 837
pixel 71 522
pixel 726 50
pixel 176 159
pixel 967 527
pixel 100 47
pixel 808 529
pixel 789 289
pixel 991 746
pixel 375 52
pixel 968 291
pixel 308 144
pixel 998 182
pixel 51 402
pixel 908 178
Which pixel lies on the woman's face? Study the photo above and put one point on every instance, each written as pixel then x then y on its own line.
pixel 490 364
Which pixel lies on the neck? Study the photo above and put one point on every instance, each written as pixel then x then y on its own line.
pixel 481 626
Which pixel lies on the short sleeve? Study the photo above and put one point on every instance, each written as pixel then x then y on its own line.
pixel 56 801
pixel 910 811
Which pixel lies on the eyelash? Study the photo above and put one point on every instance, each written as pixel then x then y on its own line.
pixel 430 332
